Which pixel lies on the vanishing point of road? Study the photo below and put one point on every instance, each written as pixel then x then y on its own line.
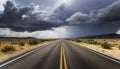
pixel 61 54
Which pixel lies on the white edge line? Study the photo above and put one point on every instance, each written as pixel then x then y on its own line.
pixel 103 55
pixel 100 54
pixel 20 57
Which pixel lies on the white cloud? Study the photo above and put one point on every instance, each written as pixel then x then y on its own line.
pixel 66 2
pixel 1 4
pixel 56 33
pixel 118 32
pixel 25 16
pixel 78 18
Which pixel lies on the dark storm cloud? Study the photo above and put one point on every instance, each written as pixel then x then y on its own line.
pixel 24 19
pixel 98 21
pixel 110 13
pixel 63 11
pixel 105 15
pixel 84 30
pixel 60 13
pixel 30 18
pixel 86 6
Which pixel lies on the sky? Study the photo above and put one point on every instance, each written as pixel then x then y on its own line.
pixel 58 18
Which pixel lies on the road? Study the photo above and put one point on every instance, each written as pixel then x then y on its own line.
pixel 61 54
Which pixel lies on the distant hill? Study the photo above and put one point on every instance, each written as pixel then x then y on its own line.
pixel 17 38
pixel 104 36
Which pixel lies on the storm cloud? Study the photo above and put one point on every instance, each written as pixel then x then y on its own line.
pixel 104 15
pixel 77 18
pixel 29 18
pixel 32 18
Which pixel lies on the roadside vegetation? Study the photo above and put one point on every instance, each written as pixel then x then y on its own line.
pixel 12 45
pixel 104 43
pixel 33 42
pixel 8 48
pixel 110 47
pixel 21 43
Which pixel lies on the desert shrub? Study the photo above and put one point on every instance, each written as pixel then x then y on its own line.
pixel 41 41
pixel 90 41
pixel 33 42
pixel 119 47
pixel 106 45
pixel 8 48
pixel 78 40
pixel 21 43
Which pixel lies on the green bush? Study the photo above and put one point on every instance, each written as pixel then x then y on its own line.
pixel 33 42
pixel 106 45
pixel 21 43
pixel 8 48
pixel 119 47
pixel 41 41
pixel 71 39
pixel 90 41
pixel 78 40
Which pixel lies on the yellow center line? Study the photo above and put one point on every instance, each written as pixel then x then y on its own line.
pixel 65 62
pixel 61 50
pixel 63 58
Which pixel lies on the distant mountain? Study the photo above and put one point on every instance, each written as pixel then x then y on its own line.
pixel 104 36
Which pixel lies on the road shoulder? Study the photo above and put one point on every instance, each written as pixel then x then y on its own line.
pixel 15 54
pixel 112 53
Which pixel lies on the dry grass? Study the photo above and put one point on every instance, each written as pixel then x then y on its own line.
pixel 12 47
pixel 113 45
pixel 105 43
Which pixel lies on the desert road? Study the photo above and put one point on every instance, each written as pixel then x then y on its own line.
pixel 61 54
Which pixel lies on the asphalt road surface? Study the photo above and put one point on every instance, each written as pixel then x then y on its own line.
pixel 61 54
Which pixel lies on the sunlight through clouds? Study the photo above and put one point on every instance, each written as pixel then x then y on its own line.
pixel 55 33
pixel 118 32
pixel 66 2
pixel 1 4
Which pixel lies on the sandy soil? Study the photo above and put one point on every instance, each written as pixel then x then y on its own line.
pixel 114 52
pixel 19 51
